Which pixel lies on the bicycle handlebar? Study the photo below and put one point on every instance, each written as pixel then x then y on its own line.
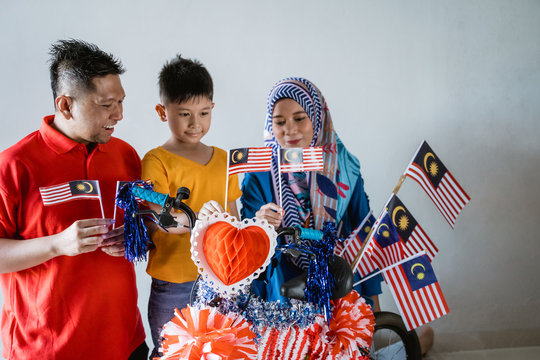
pixel 149 195
pixel 167 203
pixel 301 233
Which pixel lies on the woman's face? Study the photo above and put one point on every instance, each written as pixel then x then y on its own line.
pixel 291 124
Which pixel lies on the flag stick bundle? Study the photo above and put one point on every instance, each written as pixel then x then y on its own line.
pixel 400 248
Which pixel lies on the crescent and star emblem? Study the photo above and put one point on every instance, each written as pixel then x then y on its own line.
pixel 237 156
pixel 293 153
pixel 395 212
pixel 90 187
pixel 433 168
pixel 403 222
pixel 386 233
pixel 420 275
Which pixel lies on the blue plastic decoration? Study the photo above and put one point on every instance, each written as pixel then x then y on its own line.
pixel 320 281
pixel 135 233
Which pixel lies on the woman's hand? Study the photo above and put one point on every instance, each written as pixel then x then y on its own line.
pixel 271 213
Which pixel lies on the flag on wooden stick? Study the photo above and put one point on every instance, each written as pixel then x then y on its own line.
pixel 72 190
pixel 431 174
pixel 242 160
pixel 409 230
pixel 416 291
pixel 350 247
pixel 384 246
pixel 251 159
pixel 301 159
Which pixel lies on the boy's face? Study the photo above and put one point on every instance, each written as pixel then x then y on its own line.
pixel 189 121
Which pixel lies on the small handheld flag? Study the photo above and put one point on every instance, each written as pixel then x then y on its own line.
pixel 301 159
pixel 416 291
pixel 349 248
pixel 385 246
pixel 72 190
pixel 244 160
pixel 443 189
pixel 120 185
pixel 251 159
pixel 410 232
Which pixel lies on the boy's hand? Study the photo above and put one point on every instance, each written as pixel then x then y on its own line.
pixel 209 208
pixel 271 213
pixel 113 242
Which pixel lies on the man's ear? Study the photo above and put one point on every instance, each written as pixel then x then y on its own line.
pixel 63 104
pixel 160 109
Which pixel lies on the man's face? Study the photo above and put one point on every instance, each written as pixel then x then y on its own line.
pixel 95 113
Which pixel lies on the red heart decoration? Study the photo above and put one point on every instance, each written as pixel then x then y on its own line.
pixel 233 254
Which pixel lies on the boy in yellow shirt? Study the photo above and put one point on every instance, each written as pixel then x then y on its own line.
pixel 186 92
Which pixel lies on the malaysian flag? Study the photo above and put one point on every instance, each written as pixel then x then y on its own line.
pixel 410 232
pixel 301 159
pixel 383 249
pixel 416 291
pixel 431 174
pixel 251 159
pixel 73 190
pixel 350 247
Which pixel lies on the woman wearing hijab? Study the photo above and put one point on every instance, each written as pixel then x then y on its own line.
pixel 297 116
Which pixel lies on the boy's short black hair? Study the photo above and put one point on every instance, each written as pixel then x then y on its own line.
pixel 74 63
pixel 183 79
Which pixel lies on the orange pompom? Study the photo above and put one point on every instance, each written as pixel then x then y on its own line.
pixel 196 334
pixel 352 325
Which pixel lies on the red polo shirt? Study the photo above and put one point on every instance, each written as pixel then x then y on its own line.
pixel 70 307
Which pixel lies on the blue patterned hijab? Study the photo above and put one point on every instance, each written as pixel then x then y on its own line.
pixel 331 188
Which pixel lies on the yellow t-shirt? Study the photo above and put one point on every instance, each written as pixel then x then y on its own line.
pixel 170 260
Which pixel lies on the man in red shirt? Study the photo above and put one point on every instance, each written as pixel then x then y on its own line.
pixel 68 291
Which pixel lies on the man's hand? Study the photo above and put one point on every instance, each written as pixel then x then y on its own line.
pixel 82 236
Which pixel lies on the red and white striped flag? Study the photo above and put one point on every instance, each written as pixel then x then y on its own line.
pixel 416 291
pixel 365 265
pixel 301 159
pixel 409 230
pixel 72 190
pixel 251 159
pixel 431 174
pixel 350 247
pixel 384 247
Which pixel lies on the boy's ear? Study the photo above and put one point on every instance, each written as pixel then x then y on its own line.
pixel 63 104
pixel 160 109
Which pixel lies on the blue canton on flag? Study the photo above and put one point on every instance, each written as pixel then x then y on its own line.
pixel 386 234
pixel 419 273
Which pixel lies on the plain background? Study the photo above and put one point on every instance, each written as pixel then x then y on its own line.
pixel 464 75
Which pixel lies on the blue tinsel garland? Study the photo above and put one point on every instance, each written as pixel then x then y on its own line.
pixel 135 233
pixel 320 281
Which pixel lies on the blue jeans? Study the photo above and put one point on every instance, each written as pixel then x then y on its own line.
pixel 164 298
pixel 395 351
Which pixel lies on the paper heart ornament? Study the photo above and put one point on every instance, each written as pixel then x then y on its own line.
pixel 230 253
pixel 234 253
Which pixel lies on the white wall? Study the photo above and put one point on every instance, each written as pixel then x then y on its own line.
pixel 465 75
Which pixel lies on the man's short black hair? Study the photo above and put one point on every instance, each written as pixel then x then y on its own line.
pixel 182 79
pixel 74 63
